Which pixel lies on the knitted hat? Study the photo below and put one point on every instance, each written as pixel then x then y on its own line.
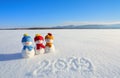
pixel 38 37
pixel 26 38
pixel 49 36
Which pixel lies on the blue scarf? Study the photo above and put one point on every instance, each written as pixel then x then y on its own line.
pixel 28 47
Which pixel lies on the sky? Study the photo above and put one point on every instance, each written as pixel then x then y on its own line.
pixel 43 13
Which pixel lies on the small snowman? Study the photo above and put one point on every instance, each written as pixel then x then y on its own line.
pixel 40 48
pixel 28 49
pixel 49 47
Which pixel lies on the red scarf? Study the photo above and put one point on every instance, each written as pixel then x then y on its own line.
pixel 40 46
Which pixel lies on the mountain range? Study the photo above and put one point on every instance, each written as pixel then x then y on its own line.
pixel 91 26
pixel 94 26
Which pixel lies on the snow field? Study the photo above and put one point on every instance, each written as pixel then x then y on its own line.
pixel 79 54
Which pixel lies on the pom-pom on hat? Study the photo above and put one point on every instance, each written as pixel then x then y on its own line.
pixel 49 36
pixel 26 34
pixel 38 37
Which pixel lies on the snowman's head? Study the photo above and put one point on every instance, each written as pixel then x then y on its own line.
pixel 38 39
pixel 27 40
pixel 27 43
pixel 49 38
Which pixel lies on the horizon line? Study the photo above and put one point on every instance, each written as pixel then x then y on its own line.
pixel 64 24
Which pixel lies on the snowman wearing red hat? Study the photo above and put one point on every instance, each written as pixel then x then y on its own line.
pixel 40 48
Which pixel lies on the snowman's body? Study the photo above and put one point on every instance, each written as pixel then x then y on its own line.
pixel 49 47
pixel 39 51
pixel 28 49
pixel 26 53
pixel 40 48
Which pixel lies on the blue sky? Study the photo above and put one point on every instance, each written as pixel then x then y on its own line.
pixel 29 13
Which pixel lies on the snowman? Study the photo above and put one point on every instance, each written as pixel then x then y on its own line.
pixel 40 48
pixel 49 47
pixel 28 49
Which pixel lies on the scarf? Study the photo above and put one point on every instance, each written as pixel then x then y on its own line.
pixel 40 46
pixel 49 44
pixel 28 47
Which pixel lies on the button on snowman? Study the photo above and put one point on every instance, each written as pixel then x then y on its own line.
pixel 28 49
pixel 49 47
pixel 40 48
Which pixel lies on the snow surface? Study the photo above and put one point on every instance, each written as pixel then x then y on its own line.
pixel 79 54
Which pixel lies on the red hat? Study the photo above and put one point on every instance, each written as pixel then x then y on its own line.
pixel 38 37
